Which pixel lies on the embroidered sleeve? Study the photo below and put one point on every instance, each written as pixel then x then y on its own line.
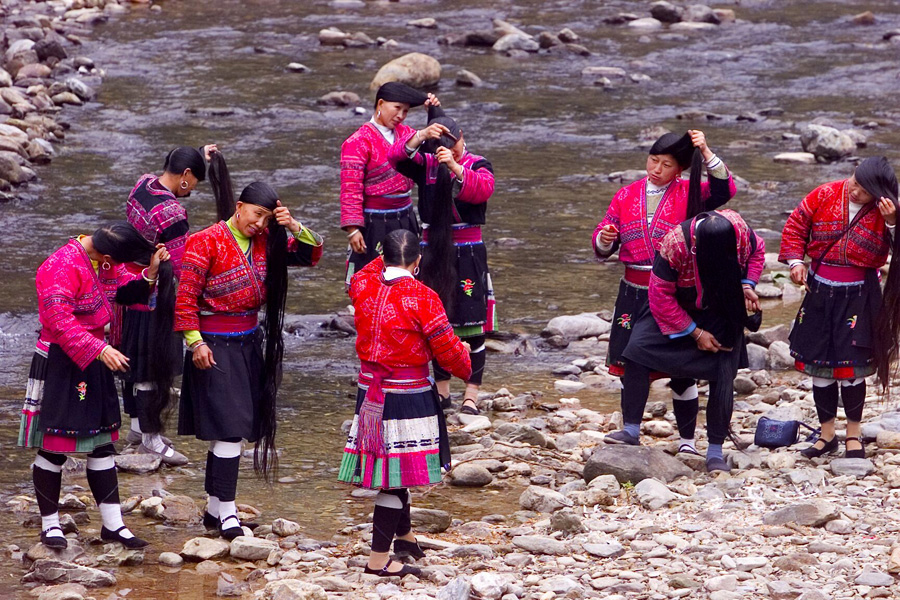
pixel 612 218
pixel 353 171
pixel 445 345
pixel 672 319
pixel 57 290
pixel 194 270
pixel 756 262
pixel 477 184
pixel 364 275
pixel 409 166
pixel 719 188
pixel 797 230
pixel 305 248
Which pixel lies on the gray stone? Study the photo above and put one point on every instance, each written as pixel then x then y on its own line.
pixel 197 549
pixel 80 89
pixel 66 591
pixel 138 463
pixel 606 483
pixel 700 13
pixel 426 23
pixel 117 555
pixel 858 467
pixel 748 563
pixel 744 385
pixel 472 550
pixel 430 520
pixel 567 522
pixel 826 143
pixel 294 589
pixel 252 548
pixel 541 499
pixel 296 67
pixel 470 475
pixel 801 158
pixel 72 552
pixel 611 549
pixel 764 337
pixel 874 579
pixel 666 12
pixel 518 432
pixel 339 98
pixel 457 589
pixel 575 327
pixel 781 590
pixel 516 41
pixel 815 513
pixel 170 559
pixel 779 357
pixel 487 585
pixel 648 23
pixel 539 544
pixel 562 587
pixel 653 494
pixel 414 69
pixel 634 464
pixel 756 356
pixel 467 78
pixel 48 570
pixel 722 582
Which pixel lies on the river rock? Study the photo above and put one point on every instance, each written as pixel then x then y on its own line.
pixel 539 544
pixel 198 549
pixel 653 494
pixel 49 570
pixel 11 171
pixel 873 578
pixel 658 428
pixel 648 23
pixel 80 89
pixel 139 464
pixel 426 23
pixel 826 143
pixel 814 513
pixel 296 67
pixel 339 98
pixel 457 589
pixel 118 555
pixel 756 355
pixel 489 586
pixel 858 467
pixel 765 337
pixel 768 291
pixel 252 548
pixel 430 520
pixel 294 589
pixel 749 563
pixel 472 551
pixel 541 499
pixel 468 79
pixel 744 385
pixel 634 464
pixel 778 357
pixel 700 13
pixel 284 528
pixel 180 510
pixel 415 69
pixel 567 522
pixel 170 559
pixel 469 475
pixel 611 549
pixel 575 327
pixel 518 432
pixel 516 41
pixel 69 554
pixel 864 18
pixel 666 12
pixel 33 71
pixel 66 591
pixel 801 158
pixel 332 37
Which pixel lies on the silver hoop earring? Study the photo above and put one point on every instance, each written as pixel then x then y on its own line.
pixel 106 266
pixel 378 114
pixel 184 185
pixel 416 272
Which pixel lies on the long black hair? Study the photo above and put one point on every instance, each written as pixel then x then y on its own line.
pixel 439 258
pixel 185 157
pixel 400 248
pixel 265 458
pixel 681 147
pixel 720 272
pixel 124 244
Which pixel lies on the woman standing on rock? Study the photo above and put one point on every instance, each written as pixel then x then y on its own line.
pixel 454 188
pixel 398 438
pixel 233 368
pixel 692 327
pixel 71 402
pixel 375 199
pixel 844 331
pixel 638 217
pixel 154 209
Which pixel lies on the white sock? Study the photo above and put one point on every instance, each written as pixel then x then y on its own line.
pixel 154 442
pixel 111 515
pixel 687 442
pixel 51 521
pixel 136 425
pixel 226 510
pixel 212 506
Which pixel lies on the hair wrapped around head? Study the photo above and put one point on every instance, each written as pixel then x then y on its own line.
pixel 394 91
pixel 184 157
pixel 681 147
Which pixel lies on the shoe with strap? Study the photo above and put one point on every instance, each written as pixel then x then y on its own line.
pixel 859 453
pixel 55 542
pixel 132 543
pixel 405 548
pixel 828 447
pixel 233 530
pixel 403 572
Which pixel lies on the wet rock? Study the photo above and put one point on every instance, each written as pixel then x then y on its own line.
pixel 539 544
pixel 339 99
pixel 252 548
pixel 633 464
pixel 66 591
pixel 564 386
pixel 857 467
pixel 826 143
pixel 608 72
pixel 284 528
pixel 430 520
pixel 332 37
pixel 516 41
pixel 648 24
pixel 469 475
pixel 653 494
pixel 426 23
pixel 57 571
pixel 700 13
pixel 768 291
pixel 198 549
pixel 117 555
pixel 39 551
pixel 139 464
pixel 180 510
pixel 658 428
pixel 815 513
pixel 294 589
pixel 80 89
pixel 517 432
pixel 66 98
pixel 415 69
pixel 567 36
pixel 666 12
pixel 71 502
pixel 34 71
pixel 778 357
pixel 744 385
pixel 803 158
pixel 541 499
pixel 756 356
pixel 170 559
pixel 864 18
pixel 575 327
pixel 296 67
pixel 468 79
pixel 457 589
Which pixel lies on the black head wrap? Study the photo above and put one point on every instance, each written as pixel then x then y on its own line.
pixel 394 91
pixel 877 177
pixel 681 147
pixel 436 115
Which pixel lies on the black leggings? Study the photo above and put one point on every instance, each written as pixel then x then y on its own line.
pixel 388 523
pixel 826 398
pixel 478 361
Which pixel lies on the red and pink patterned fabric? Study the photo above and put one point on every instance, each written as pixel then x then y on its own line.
pixel 158 215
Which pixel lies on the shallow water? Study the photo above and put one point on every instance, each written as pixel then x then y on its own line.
pixel 551 135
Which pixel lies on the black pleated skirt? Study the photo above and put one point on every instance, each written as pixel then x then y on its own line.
pixel 378 226
pixel 629 303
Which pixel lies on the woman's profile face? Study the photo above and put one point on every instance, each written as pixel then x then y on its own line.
pixel 251 219
pixel 391 114
pixel 858 194
pixel 662 168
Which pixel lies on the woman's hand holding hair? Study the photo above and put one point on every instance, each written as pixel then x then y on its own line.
pixel 113 359
pixel 208 150
pixel 445 157
pixel 284 218
pixel 432 100
pixel 751 299
pixel 698 138
pixel 160 256
pixel 888 211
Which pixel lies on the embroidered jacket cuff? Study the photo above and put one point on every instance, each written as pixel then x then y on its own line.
pixel 691 328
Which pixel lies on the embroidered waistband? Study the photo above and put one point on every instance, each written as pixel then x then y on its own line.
pixel 386 204
pixel 228 324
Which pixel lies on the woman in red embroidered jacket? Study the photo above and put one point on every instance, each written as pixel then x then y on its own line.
pixel 846 227
pixel 454 188
pixel 375 199
pixel 71 404
pixel 233 367
pixel 701 287
pixel 398 438
pixel 154 209
pixel 638 217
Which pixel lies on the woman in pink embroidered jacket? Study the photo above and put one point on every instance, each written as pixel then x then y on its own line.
pixel 454 188
pixel 71 403
pixel 638 217
pixel 701 289
pixel 375 198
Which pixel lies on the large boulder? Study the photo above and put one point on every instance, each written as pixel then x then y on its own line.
pixel 778 357
pixel 826 143
pixel 430 520
pixel 541 499
pixel 666 12
pixel 634 464
pixel 48 570
pixel 574 327
pixel 414 69
pixel 470 475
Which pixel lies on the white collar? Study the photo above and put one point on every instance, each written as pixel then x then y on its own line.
pixel 386 132
pixel 392 273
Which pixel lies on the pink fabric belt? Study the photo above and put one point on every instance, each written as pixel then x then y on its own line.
pixel 386 203
pixel 461 235
pixel 637 277
pixel 224 323
pixel 843 274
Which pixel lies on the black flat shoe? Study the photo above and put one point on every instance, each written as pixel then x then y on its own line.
pixel 404 548
pixel 861 453
pixel 383 572
pixel 446 402
pixel 55 542
pixel 469 409
pixel 813 452
pixel 229 533
pixel 209 521
pixel 132 543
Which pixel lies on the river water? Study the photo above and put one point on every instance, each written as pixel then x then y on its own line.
pixel 201 72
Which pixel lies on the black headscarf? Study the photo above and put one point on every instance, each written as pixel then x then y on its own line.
pixel 394 91
pixel 682 148
pixel 877 177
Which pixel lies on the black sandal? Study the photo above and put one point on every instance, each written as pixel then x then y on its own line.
pixel 446 402
pixel 383 572
pixel 813 452
pixel 229 533
pixel 132 543
pixel 861 453
pixel 469 409
pixel 404 548
pixel 54 542
pixel 210 522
